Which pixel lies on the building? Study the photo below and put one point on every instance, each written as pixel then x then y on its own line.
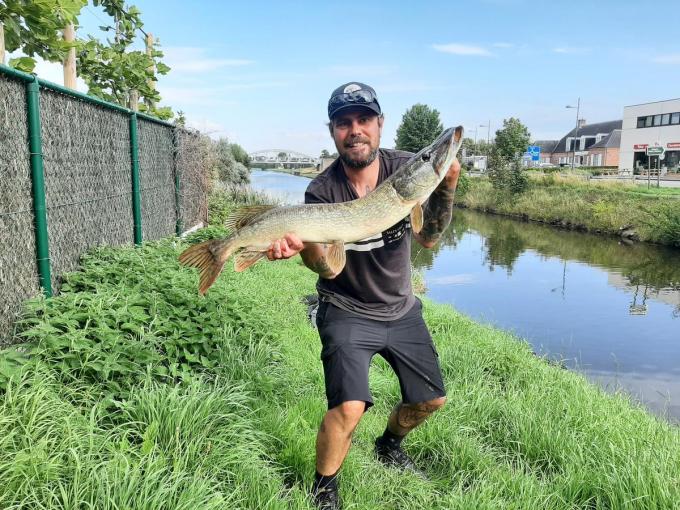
pixel 547 148
pixel 593 145
pixel 651 125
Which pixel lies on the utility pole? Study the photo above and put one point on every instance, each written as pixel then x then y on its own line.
pixel 2 44
pixel 69 64
pixel 573 152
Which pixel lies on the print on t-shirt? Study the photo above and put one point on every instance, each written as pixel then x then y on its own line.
pixel 386 238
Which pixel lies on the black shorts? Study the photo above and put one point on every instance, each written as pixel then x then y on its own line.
pixel 349 342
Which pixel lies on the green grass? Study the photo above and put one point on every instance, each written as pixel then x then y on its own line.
pixel 652 214
pixel 134 392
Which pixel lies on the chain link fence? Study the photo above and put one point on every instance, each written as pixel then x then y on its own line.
pixel 88 186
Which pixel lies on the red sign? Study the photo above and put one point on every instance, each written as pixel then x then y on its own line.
pixel 673 145
pixel 640 146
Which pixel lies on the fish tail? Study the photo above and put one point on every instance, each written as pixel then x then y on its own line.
pixel 209 258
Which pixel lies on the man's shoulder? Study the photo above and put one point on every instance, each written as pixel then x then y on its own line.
pixel 325 178
pixel 392 159
pixel 394 154
pixel 320 188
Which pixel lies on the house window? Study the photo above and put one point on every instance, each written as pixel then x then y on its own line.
pixel 648 121
pixel 675 118
pixel 665 119
pixel 641 122
pixel 657 120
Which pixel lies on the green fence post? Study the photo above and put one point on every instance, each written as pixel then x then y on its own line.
pixel 136 193
pixel 178 198
pixel 38 185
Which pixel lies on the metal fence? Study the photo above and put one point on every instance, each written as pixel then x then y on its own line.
pixel 77 172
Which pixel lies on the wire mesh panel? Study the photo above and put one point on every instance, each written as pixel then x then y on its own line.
pixel 18 270
pixel 192 164
pixel 88 188
pixel 157 180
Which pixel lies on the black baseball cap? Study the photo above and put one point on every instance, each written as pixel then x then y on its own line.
pixel 352 94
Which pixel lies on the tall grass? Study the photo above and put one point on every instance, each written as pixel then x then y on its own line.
pixel 605 208
pixel 222 411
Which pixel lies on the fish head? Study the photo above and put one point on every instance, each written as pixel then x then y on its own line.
pixel 421 174
pixel 443 150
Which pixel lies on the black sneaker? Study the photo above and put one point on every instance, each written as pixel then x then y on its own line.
pixel 326 498
pixel 395 457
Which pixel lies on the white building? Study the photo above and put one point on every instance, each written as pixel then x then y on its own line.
pixel 651 125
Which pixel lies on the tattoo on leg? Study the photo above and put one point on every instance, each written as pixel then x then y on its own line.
pixel 412 415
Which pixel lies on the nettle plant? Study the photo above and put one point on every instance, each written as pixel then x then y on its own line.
pixel 131 315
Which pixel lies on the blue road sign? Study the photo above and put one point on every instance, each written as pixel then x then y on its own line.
pixel 535 152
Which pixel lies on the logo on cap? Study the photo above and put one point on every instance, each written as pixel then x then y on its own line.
pixel 352 87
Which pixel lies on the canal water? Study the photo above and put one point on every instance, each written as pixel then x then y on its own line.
pixel 608 309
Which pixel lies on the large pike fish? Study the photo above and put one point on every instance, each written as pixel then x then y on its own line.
pixel 255 228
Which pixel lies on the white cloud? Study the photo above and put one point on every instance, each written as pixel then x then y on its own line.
pixel 570 50
pixel 667 59
pixel 462 49
pixel 191 59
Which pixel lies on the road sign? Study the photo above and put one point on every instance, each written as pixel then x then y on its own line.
pixel 535 152
pixel 655 151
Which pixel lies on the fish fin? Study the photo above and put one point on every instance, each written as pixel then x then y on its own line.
pixel 336 256
pixel 209 258
pixel 417 218
pixel 245 215
pixel 246 258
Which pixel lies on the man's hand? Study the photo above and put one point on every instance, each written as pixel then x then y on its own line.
pixel 451 178
pixel 285 248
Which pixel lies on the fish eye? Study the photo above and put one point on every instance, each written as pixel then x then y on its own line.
pixel 425 156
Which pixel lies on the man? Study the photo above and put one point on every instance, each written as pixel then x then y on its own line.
pixel 369 307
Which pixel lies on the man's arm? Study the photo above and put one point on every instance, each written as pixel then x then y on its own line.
pixel 439 209
pixel 313 254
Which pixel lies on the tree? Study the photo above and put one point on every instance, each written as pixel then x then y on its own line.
pixel 325 154
pixel 419 127
pixel 34 28
pixel 513 139
pixel 226 167
pixel 110 70
pixel 240 154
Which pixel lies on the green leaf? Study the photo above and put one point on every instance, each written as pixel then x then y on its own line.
pixel 25 64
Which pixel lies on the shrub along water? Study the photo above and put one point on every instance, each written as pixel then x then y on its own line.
pixel 612 208
pixel 135 392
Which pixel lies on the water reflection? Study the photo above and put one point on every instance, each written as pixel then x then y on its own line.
pixel 609 309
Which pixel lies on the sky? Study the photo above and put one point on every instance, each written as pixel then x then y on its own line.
pixel 260 72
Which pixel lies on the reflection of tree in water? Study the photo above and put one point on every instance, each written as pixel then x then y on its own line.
pixel 640 263
pixel 503 247
pixel 423 258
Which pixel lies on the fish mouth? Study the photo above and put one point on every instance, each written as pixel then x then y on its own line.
pixel 445 149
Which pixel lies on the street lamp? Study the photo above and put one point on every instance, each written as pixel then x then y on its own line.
pixel 488 131
pixel 573 155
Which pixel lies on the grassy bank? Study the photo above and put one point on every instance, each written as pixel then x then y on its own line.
pixel 651 215
pixel 138 393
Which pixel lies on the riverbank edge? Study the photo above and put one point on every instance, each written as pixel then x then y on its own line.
pixel 616 218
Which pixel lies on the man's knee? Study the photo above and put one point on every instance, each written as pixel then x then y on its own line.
pixel 348 413
pixel 436 403
pixel 429 406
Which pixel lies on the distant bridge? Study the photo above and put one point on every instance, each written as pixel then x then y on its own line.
pixel 281 158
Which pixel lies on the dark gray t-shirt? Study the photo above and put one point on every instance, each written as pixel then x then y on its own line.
pixel 376 280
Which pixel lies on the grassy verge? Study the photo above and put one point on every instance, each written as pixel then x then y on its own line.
pixel 647 214
pixel 134 392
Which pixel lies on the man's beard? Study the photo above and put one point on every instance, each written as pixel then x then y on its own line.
pixel 359 163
